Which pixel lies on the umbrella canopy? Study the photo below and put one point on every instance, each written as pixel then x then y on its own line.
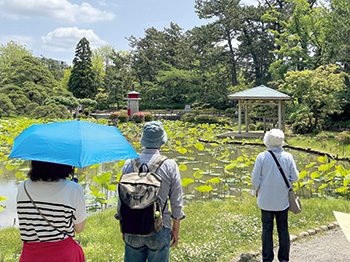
pixel 75 143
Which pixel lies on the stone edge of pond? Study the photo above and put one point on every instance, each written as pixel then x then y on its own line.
pixel 309 150
pixel 251 256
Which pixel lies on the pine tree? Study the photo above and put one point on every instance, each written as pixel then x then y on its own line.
pixel 81 82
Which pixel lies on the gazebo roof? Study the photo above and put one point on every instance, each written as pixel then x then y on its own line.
pixel 260 93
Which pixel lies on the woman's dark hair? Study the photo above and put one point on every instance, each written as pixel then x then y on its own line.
pixel 46 171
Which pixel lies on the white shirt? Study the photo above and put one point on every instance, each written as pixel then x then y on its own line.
pixel 61 202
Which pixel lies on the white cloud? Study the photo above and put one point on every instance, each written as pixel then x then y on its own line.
pixel 65 39
pixel 60 10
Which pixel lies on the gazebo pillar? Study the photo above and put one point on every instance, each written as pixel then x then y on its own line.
pixel 283 116
pixel 246 117
pixel 239 117
pixel 280 115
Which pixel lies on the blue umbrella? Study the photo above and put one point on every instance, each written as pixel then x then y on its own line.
pixel 75 143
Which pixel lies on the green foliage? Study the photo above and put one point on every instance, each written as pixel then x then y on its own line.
pixel 57 68
pixel 121 116
pixel 102 101
pixel 9 53
pixel 50 111
pixel 149 117
pixel 31 107
pixel 7 108
pixel 189 117
pixel 201 119
pixel 82 79
pixel 344 139
pixel 138 117
pixel 317 91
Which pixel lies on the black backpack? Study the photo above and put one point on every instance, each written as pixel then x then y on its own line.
pixel 140 210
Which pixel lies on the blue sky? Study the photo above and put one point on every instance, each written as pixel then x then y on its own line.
pixel 53 28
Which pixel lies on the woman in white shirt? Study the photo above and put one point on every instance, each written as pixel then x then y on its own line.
pixel 272 193
pixel 50 210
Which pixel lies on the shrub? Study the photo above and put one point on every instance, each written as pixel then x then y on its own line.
pixel 301 128
pixel 138 117
pixel 31 107
pixel 252 127
pixel 231 112
pixel 344 139
pixel 149 117
pixel 7 107
pixel 114 115
pixel 121 116
pixel 142 116
pixel 224 121
pixel 260 126
pixel 189 117
pixel 202 119
pixel 50 111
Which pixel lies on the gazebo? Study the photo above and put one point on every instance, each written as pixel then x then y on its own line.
pixel 263 95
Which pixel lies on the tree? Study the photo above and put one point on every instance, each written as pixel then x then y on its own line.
pixel 317 90
pixel 9 53
pixel 119 78
pixel 178 87
pixel 29 69
pixel 338 30
pixel 82 80
pixel 226 13
pixel 57 68
pixel 7 108
pixel 302 38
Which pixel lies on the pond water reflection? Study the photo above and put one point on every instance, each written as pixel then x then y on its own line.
pixel 202 165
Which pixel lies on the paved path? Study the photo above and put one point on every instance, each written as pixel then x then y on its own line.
pixel 331 246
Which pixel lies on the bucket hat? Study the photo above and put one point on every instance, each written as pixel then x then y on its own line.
pixel 274 138
pixel 153 135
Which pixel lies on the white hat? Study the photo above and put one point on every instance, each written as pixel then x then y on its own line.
pixel 274 138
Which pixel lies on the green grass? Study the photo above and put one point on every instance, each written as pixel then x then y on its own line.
pixel 217 230
pixel 310 141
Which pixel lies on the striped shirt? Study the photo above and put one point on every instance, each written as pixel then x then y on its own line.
pixel 62 203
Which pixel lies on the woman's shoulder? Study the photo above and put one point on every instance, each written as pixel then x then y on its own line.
pixel 69 184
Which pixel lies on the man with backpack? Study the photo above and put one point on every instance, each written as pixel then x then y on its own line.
pixel 144 189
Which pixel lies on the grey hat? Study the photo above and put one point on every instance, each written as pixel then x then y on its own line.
pixel 153 135
pixel 274 138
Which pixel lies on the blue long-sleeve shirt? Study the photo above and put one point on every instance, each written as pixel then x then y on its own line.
pixel 268 180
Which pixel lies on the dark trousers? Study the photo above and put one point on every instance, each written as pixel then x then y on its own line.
pixel 267 218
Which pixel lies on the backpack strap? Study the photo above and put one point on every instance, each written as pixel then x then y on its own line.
pixel 135 164
pixel 157 163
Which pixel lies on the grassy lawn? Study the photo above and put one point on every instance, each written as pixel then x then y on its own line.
pixel 216 230
pixel 317 143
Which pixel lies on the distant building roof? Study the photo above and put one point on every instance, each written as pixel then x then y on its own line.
pixel 260 93
pixel 133 93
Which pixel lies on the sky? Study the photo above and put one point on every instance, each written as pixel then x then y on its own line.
pixel 53 28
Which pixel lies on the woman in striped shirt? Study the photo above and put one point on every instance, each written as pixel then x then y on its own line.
pixel 50 210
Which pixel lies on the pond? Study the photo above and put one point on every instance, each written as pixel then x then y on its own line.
pixel 201 166
pixel 208 170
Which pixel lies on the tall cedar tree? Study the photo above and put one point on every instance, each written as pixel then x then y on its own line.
pixel 81 82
